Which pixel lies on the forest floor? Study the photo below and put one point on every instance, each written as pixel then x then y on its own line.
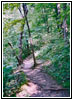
pixel 40 84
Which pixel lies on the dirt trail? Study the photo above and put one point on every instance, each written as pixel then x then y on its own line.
pixel 40 84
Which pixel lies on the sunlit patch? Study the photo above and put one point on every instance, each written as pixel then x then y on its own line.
pixel 29 89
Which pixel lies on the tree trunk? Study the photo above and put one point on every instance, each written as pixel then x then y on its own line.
pixel 31 44
pixel 58 10
pixel 24 30
pixel 14 53
pixel 65 29
pixel 31 41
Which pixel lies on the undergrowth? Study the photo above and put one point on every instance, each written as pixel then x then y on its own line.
pixel 60 61
pixel 12 81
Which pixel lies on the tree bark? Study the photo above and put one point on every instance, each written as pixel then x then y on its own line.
pixel 65 29
pixel 14 53
pixel 20 12
pixel 58 15
pixel 31 44
pixel 58 8
pixel 24 30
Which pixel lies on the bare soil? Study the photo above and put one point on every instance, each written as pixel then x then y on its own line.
pixel 40 84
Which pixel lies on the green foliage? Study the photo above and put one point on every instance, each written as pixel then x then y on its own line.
pixel 58 54
pixel 56 50
pixel 47 38
pixel 11 81
pixel 26 53
pixel 14 22
pixel 10 6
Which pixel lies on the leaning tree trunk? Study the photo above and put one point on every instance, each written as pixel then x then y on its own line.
pixel 14 53
pixel 31 44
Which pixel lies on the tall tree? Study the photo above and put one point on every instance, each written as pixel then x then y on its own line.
pixel 31 44
pixel 27 44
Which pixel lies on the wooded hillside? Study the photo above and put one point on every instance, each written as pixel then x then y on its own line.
pixel 36 36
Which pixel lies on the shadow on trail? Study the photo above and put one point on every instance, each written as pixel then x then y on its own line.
pixel 39 83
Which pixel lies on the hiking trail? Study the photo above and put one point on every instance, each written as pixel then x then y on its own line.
pixel 40 84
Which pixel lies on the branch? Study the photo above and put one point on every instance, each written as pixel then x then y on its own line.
pixel 14 52
pixel 20 12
